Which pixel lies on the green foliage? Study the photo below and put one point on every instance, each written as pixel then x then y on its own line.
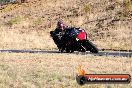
pixel 4 1
pixel 127 6
pixel 1 1
pixel 56 77
pixel 108 86
pixel 13 21
pixel 37 22
pixel 119 16
pixel 126 2
pixel 87 8
pixel 4 67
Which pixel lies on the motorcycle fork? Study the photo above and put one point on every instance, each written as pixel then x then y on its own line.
pixel 82 48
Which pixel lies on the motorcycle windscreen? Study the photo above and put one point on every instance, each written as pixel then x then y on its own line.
pixel 81 36
pixel 74 32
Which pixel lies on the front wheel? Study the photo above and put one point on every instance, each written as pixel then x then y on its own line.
pixel 90 46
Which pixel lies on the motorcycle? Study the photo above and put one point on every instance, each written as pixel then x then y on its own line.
pixel 74 39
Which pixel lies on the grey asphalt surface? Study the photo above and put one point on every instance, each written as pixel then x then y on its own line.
pixel 101 53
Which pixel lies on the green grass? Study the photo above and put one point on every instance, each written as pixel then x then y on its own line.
pixel 3 1
pixel 13 21
pixel 127 4
pixel 37 22
pixel 87 8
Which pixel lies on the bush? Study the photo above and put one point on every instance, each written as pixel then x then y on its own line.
pixel 87 8
pixel 12 1
pixel 4 1
pixel 13 21
pixel 127 6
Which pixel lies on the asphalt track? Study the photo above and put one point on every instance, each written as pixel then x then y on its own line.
pixel 101 53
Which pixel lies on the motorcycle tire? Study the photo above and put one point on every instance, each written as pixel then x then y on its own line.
pixel 91 47
pixel 69 50
pixel 83 48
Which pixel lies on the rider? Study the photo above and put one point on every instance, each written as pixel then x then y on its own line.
pixel 60 30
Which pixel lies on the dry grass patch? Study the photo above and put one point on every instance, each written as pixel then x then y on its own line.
pixel 41 16
pixel 14 39
pixel 57 70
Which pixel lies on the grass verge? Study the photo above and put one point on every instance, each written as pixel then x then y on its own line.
pixel 56 70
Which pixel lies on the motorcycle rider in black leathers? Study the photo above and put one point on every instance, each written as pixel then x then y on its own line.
pixel 61 34
pixel 58 33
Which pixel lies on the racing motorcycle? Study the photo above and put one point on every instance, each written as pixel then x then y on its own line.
pixel 74 39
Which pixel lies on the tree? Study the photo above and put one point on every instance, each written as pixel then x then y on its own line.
pixel 21 1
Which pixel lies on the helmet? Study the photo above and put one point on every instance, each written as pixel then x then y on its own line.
pixel 60 24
